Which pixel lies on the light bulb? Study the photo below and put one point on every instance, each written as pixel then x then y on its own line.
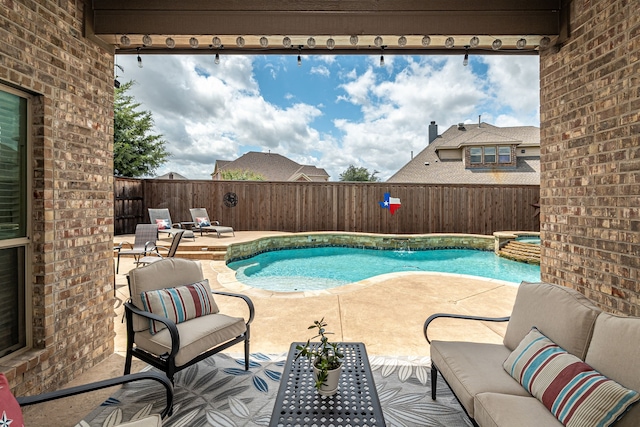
pixel 331 43
pixel 264 42
pixel 240 41
pixel 449 42
pixel 378 41
pixel 299 61
pixel 402 41
pixel 193 42
pixel 286 42
pixel 497 44
pixel 146 40
pixel 426 41
pixel 353 40
pixel 545 42
pixel 216 42
pixel 217 60
pixel 311 42
pixel 125 41
pixel 520 44
pixel 171 43
pixel 382 60
pixel 474 42
pixel 139 62
pixel 465 61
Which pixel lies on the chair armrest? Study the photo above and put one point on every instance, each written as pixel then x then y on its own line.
pixel 244 297
pixel 153 249
pixel 131 309
pixel 72 391
pixel 215 222
pixel 459 316
pixel 176 225
pixel 119 247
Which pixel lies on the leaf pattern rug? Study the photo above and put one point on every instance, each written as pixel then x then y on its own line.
pixel 219 392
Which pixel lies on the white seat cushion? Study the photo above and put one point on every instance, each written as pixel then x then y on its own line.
pixel 196 336
pixel 472 368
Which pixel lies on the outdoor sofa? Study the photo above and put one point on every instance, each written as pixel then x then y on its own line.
pixel 609 344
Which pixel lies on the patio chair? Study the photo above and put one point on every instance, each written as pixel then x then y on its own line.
pixel 173 321
pixel 154 254
pixel 203 223
pixel 162 218
pixel 13 414
pixel 145 238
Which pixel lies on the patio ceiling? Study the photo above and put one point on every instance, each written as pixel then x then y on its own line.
pixel 401 25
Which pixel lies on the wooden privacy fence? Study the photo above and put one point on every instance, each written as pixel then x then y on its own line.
pixel 332 206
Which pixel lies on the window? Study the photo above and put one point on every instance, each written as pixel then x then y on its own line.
pixel 489 154
pixel 475 155
pixel 504 154
pixel 14 218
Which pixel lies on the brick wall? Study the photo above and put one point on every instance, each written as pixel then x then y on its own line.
pixel 43 52
pixel 590 155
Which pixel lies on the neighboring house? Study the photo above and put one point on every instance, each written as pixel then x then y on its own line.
pixel 273 167
pixel 171 175
pixel 476 154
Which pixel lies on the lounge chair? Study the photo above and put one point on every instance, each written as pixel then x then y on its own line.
pixel 154 254
pixel 162 218
pixel 145 239
pixel 203 223
pixel 13 412
pixel 173 321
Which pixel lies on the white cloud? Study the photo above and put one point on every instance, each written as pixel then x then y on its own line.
pixel 320 70
pixel 208 112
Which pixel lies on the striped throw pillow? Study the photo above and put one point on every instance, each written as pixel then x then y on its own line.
pixel 179 304
pixel 573 391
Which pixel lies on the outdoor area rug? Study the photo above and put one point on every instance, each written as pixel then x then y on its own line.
pixel 219 392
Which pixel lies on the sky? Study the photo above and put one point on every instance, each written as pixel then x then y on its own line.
pixel 332 111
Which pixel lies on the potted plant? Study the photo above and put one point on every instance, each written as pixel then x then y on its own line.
pixel 325 358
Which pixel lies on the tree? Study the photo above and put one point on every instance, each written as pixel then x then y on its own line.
pixel 136 151
pixel 241 175
pixel 358 174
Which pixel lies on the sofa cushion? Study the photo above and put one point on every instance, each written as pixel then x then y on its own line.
pixel 179 304
pixel 506 410
pixel 573 391
pixel 203 222
pixel 166 273
pixel 472 368
pixel 564 315
pixel 163 224
pixel 613 351
pixel 196 336
pixel 10 412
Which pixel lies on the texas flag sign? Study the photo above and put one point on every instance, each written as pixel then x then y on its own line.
pixel 391 203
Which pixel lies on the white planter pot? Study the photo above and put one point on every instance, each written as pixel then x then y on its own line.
pixel 330 386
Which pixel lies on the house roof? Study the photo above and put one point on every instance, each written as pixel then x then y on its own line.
pixel 171 175
pixel 273 167
pixel 428 167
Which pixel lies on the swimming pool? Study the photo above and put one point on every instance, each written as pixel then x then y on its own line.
pixel 317 268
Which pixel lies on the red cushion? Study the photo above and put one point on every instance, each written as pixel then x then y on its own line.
pixel 10 413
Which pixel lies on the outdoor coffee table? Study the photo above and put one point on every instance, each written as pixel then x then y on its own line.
pixel 355 404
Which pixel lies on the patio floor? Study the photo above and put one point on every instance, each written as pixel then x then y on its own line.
pixel 387 313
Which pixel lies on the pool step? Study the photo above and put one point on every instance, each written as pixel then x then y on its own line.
pixel 214 254
pixel 522 252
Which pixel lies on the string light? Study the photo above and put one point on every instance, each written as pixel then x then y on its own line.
pixel 299 57
pixel 217 60
pixel 331 43
pixel 474 42
pixel 125 40
pixel 520 44
pixel 240 41
pixel 171 43
pixel 465 61
pixel 146 40
pixel 139 59
pixel 286 42
pixel 264 42
pixel 353 40
pixel 426 41
pixel 194 43
pixel 497 44
pixel 449 42
pixel 216 42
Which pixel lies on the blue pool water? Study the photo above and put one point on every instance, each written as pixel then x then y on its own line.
pixel 292 270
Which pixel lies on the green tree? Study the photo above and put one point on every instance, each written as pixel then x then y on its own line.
pixel 136 151
pixel 358 174
pixel 241 175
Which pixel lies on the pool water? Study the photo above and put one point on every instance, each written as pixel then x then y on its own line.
pixel 529 239
pixel 305 269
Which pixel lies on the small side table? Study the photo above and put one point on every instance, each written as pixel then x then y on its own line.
pixel 356 403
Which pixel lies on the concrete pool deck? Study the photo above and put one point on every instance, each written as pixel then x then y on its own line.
pixel 386 312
